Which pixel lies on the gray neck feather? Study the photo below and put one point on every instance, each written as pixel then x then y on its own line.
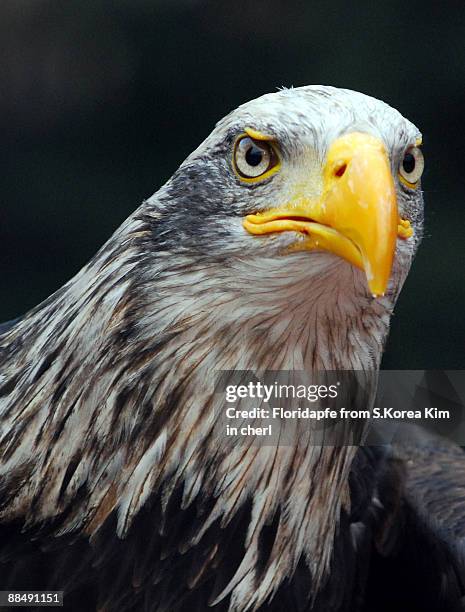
pixel 109 385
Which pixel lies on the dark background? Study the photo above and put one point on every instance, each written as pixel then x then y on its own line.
pixel 100 101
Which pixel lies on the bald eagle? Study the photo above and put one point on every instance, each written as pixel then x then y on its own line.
pixel 281 243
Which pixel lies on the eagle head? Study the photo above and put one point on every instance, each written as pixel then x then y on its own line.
pixel 330 173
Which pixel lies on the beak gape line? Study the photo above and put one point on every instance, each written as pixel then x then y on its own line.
pixel 356 216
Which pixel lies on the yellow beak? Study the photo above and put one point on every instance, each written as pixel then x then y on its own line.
pixel 356 215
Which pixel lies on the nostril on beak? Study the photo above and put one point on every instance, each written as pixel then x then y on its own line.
pixel 340 170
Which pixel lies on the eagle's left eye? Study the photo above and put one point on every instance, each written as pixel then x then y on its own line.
pixel 411 166
pixel 254 158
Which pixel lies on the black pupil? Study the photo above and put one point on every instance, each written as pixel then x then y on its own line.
pixel 254 156
pixel 409 163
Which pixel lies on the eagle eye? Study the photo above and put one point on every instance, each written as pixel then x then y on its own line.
pixel 254 159
pixel 411 166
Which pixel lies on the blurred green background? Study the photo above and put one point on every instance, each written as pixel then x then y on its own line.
pixel 100 101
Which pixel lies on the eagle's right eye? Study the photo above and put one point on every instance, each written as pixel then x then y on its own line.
pixel 254 159
pixel 411 167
